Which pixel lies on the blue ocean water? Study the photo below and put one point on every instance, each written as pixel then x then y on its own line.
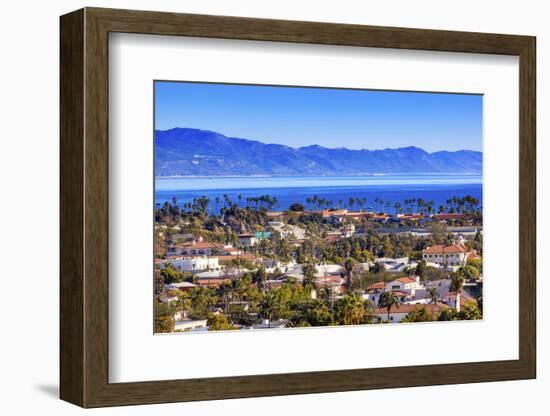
pixel 339 189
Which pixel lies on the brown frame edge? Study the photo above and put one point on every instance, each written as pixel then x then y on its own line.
pixel 84 207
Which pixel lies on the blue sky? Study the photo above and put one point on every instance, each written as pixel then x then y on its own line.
pixel 293 116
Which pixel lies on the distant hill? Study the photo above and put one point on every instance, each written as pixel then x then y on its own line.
pixel 183 151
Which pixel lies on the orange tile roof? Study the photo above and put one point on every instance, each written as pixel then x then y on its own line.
pixel 443 249
pixel 202 245
pixel 377 285
pixel 406 280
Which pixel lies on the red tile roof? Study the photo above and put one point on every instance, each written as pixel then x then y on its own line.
pixel 443 249
pixel 201 245
pixel 406 280
pixel 377 285
pixel 338 212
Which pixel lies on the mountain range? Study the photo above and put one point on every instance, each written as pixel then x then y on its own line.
pixel 194 152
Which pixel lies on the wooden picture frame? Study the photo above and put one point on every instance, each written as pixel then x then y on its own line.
pixel 84 207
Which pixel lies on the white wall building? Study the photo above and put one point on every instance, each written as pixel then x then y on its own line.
pixel 448 256
pixel 405 284
pixel 193 264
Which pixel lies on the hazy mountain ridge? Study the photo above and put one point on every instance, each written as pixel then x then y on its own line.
pixel 185 151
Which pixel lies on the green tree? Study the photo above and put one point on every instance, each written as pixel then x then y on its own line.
pixel 468 272
pixel 351 310
pixel 419 314
pixel 219 322
pixel 388 300
pixel 268 307
pixel 457 282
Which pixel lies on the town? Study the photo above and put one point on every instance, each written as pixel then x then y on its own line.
pixel 242 265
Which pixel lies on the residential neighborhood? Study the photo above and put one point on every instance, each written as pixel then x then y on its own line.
pixel 245 266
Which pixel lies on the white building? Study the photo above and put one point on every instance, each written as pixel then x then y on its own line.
pixel 448 256
pixel 248 239
pixel 327 269
pixel 405 284
pixel 187 325
pixel 167 298
pixel 397 314
pixel 181 286
pixel 286 230
pixel 193 264
pixel 395 265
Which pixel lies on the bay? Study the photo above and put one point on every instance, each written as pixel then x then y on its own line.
pixel 338 189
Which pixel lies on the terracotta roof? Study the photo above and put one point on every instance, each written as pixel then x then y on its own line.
pixel 472 256
pixel 377 285
pixel 399 293
pixel 439 248
pixel 406 280
pixel 202 245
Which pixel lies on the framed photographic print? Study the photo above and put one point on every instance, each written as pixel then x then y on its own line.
pixel 257 207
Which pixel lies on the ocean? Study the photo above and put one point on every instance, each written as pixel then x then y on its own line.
pixel 338 189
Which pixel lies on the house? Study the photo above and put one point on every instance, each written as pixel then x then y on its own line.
pixel 167 297
pixel 286 230
pixel 199 247
pixel 228 259
pixel 449 256
pixel 337 213
pixel 347 230
pixel 406 285
pixel 248 239
pixel 212 278
pixel 395 265
pixel 183 286
pixel 190 325
pixel 455 300
pixel 374 291
pixel 398 313
pixel 327 269
pixel 381 217
pixel 192 264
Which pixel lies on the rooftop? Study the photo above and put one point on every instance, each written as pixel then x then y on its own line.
pixel 445 249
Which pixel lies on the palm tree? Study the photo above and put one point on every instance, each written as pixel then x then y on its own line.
pixel 308 282
pixel 268 306
pixel 351 310
pixel 457 281
pixel 433 295
pixel 349 263
pixel 388 300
